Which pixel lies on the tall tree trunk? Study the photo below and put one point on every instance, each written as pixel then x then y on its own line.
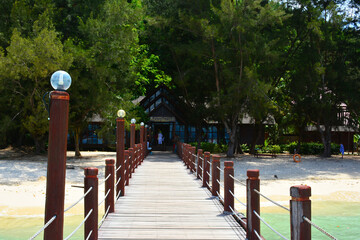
pixel 77 142
pixel 326 139
pixel 257 135
pixel 39 145
pixel 231 130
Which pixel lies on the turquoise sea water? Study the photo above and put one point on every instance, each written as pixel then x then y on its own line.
pixel 341 219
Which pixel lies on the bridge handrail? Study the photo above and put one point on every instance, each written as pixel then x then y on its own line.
pixel 78 227
pixel 269 226
pixel 186 153
pixel 272 201
pixel 43 228
pixel 319 228
pixel 81 198
pixel 237 180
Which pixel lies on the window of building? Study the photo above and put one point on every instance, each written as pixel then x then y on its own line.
pixel 90 136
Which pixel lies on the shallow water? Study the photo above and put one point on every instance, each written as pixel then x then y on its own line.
pixel 341 219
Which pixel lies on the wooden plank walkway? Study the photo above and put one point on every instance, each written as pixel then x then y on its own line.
pixel 164 201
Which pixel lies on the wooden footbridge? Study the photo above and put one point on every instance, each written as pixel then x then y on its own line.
pixel 168 196
pixel 165 201
pixel 163 196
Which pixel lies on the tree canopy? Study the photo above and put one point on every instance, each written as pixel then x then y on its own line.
pixel 291 63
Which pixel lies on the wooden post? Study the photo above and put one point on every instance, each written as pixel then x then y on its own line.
pixel 192 157
pixel 91 203
pixel 127 167
pixel 56 169
pixel 131 163
pixel 142 130
pixel 199 162
pixel 187 156
pixel 253 203
pixel 145 142
pixel 228 186
pixel 132 135
pixel 206 169
pixel 300 206
pixel 120 157
pixel 215 173
pixel 109 185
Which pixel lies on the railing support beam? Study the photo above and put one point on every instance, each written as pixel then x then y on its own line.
pixel 228 186
pixel 56 169
pixel 91 203
pixel 199 162
pixel 206 169
pixel 215 173
pixel 300 206
pixel 109 185
pixel 253 204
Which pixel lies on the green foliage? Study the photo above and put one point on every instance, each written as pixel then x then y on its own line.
pixel 311 148
pixel 245 148
pixel 211 147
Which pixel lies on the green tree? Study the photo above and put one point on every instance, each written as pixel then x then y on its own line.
pixel 27 66
pixel 103 54
pixel 319 69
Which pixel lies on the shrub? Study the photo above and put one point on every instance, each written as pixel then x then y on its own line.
pixel 311 148
pixel 211 147
pixel 275 149
pixel 245 148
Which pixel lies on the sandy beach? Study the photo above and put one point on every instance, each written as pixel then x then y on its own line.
pixel 23 178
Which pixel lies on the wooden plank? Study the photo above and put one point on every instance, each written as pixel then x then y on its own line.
pixel 165 201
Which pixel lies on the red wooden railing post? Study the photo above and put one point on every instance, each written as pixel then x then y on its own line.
pixel 56 169
pixel 192 157
pixel 187 156
pixel 142 130
pixel 300 206
pixel 253 203
pixel 109 185
pixel 91 203
pixel 127 167
pixel 137 157
pixel 199 162
pixel 215 175
pixel 120 158
pixel 132 135
pixel 145 142
pixel 228 186
pixel 131 162
pixel 206 170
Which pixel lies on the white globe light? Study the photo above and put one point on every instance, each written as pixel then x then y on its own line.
pixel 141 124
pixel 121 113
pixel 133 121
pixel 60 80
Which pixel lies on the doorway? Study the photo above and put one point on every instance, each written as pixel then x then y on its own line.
pixel 164 128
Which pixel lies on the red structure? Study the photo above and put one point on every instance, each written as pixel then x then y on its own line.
pixel 300 207
pixel 228 186
pixel 91 202
pixel 120 155
pixel 109 185
pixel 56 170
pixel 215 173
pixel 253 203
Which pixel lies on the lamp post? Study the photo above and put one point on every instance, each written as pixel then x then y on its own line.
pixel 132 133
pixel 120 148
pixel 146 140
pixel 56 169
pixel 142 131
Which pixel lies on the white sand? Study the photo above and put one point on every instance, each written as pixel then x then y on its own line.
pixel 23 179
